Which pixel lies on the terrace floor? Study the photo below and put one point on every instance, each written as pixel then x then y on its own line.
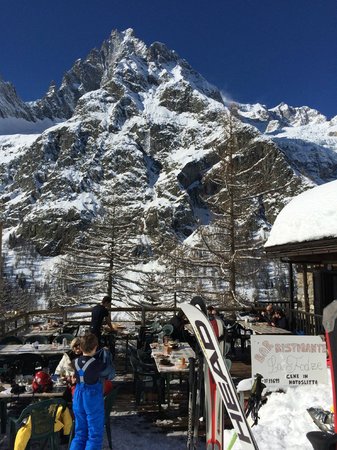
pixel 166 429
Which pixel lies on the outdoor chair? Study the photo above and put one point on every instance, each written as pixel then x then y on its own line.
pixel 146 380
pixel 167 329
pixel 146 336
pixel 71 329
pixel 11 340
pixel 145 356
pixel 41 417
pixel 59 338
pixel 37 338
pixel 238 332
pixel 153 327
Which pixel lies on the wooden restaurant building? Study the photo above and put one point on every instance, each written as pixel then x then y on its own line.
pixel 304 235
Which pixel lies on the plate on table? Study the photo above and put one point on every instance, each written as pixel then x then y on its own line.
pixel 166 362
pixel 174 345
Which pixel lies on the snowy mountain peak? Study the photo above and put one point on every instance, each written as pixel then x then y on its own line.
pixel 281 115
pixel 10 103
pixel 296 116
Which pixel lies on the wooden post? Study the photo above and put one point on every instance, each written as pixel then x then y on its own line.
pixel 65 316
pixel 291 295
pixel 305 288
pixel 1 256
pixel 291 286
pixel 143 316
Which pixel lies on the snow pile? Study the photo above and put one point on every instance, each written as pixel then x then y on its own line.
pixel 311 215
pixel 284 421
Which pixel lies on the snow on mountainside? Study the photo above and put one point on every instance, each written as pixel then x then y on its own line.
pixel 138 122
pixel 307 138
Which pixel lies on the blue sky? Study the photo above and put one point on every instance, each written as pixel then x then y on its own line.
pixel 264 51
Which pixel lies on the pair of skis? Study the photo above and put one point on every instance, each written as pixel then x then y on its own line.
pixel 209 345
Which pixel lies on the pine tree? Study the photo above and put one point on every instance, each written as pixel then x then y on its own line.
pixel 107 259
pixel 248 171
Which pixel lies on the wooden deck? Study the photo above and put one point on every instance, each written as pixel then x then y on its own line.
pixel 167 420
pixel 176 416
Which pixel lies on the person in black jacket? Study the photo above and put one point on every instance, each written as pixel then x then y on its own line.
pixel 279 319
pixel 179 321
pixel 179 331
pixel 100 314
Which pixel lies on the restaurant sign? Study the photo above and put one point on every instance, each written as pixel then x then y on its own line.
pixel 288 360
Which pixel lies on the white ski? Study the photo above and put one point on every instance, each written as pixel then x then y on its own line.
pixel 214 409
pixel 209 344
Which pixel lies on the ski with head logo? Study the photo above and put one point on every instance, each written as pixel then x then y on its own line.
pixel 209 345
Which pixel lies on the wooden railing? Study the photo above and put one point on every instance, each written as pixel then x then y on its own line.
pixel 70 314
pixel 300 321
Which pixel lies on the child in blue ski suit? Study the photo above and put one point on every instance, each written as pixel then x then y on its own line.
pixel 88 402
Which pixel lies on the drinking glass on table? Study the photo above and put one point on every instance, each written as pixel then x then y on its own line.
pixel 19 379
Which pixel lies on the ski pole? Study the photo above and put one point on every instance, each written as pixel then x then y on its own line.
pixel 191 403
pixel 197 409
pixel 232 441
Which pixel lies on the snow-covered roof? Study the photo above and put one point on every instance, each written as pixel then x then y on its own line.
pixel 309 216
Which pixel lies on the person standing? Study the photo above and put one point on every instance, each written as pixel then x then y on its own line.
pixel 88 401
pixel 100 314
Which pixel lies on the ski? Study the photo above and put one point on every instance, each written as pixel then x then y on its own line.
pixel 252 406
pixel 199 302
pixel 213 401
pixel 330 326
pixel 209 344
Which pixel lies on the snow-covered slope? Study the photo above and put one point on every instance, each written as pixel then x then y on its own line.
pixel 307 138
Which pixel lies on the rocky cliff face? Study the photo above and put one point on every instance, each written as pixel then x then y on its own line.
pixel 137 122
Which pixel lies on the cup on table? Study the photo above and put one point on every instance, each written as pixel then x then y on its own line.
pixel 182 362
pixel 19 379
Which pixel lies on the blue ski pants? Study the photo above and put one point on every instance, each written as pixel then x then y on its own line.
pixel 88 407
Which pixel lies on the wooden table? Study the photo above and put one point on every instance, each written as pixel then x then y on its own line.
pixel 6 396
pixel 125 332
pixel 262 328
pixel 42 349
pixel 158 353
pixel 50 334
